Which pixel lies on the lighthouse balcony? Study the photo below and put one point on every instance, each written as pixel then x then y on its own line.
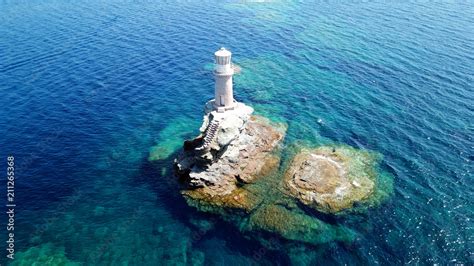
pixel 213 106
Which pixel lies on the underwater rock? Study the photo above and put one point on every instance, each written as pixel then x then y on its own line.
pixel 233 149
pixel 332 179
pixel 46 254
pixel 197 258
pixel 171 138
pixel 292 224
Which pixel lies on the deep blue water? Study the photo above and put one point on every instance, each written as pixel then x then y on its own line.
pixel 87 88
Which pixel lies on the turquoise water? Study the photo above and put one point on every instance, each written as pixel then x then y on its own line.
pixel 88 88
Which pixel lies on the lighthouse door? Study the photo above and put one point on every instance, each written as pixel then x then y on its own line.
pixel 222 100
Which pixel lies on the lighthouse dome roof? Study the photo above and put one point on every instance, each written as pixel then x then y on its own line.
pixel 222 52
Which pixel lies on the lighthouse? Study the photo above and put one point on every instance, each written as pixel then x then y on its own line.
pixel 223 72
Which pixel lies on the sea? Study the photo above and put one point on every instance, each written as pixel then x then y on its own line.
pixel 88 88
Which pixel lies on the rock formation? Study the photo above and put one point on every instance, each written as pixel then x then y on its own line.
pixel 333 179
pixel 232 168
pixel 234 148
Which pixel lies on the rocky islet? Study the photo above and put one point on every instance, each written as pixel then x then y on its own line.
pixel 233 168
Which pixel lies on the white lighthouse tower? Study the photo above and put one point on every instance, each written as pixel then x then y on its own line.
pixel 223 71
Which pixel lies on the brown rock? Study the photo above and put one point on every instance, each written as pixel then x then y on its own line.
pixel 331 180
pixel 205 198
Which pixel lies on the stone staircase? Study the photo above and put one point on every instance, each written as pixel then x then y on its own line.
pixel 210 135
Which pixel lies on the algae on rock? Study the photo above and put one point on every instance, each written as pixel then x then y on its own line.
pixel 295 225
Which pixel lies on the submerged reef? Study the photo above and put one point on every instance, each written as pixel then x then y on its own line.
pixel 234 168
pixel 45 254
pixel 171 138
pixel 294 224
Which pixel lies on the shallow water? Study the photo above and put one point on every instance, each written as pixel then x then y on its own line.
pixel 88 88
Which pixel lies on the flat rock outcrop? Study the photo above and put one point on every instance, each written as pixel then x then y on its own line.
pixel 332 179
pixel 234 148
